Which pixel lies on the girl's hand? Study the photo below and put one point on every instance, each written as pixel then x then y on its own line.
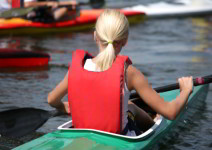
pixel 63 107
pixel 186 84
pixel 66 108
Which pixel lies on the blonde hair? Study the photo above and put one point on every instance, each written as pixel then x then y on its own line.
pixel 111 26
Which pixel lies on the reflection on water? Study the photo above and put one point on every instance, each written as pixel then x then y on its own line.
pixel 203 31
pixel 23 69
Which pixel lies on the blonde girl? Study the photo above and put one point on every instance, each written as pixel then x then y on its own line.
pixel 111 34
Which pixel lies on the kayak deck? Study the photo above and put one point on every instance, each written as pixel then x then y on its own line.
pixel 85 21
pixel 68 128
pixel 92 140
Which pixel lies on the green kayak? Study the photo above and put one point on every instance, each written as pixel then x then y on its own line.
pixel 67 138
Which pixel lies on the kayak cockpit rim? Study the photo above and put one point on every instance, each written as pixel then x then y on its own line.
pixel 68 127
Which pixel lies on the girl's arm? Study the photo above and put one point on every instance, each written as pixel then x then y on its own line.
pixel 56 95
pixel 137 81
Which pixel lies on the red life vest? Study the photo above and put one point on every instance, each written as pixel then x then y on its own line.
pixel 95 98
pixel 17 3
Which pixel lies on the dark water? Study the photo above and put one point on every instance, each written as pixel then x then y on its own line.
pixel 163 49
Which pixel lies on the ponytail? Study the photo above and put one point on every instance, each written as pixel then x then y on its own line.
pixel 105 59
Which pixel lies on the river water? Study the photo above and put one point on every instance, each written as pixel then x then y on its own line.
pixel 163 49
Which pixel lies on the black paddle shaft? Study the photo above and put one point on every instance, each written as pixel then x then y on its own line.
pixel 94 3
pixel 196 82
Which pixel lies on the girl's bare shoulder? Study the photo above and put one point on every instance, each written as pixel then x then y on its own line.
pixel 135 78
pixel 133 72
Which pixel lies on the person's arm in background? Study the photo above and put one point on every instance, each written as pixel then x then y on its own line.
pixel 35 4
pixel 137 81
pixel 9 2
pixel 49 3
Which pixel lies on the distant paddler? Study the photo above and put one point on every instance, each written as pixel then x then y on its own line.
pixel 48 10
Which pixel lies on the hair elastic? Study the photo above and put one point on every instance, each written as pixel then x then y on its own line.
pixel 110 42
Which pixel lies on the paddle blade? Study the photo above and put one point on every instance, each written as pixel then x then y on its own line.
pixel 94 3
pixel 20 122
pixel 97 3
pixel 15 12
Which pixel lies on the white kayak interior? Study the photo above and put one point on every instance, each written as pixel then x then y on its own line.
pixel 176 8
pixel 68 126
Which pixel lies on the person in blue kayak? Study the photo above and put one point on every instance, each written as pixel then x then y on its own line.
pixel 52 10
pixel 99 87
